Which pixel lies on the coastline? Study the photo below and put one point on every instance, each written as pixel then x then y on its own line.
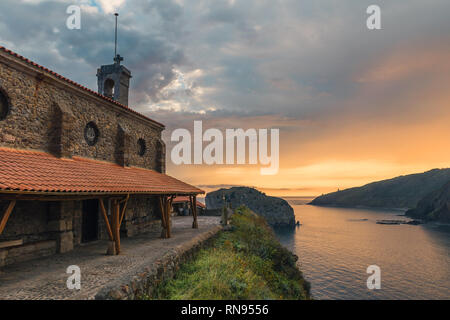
pixel 244 262
pixel 359 207
pixel 352 240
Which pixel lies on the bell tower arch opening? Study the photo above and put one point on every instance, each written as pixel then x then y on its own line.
pixel 109 88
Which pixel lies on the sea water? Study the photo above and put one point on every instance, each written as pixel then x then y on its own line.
pixel 336 246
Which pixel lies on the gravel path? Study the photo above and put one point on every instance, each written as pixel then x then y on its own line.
pixel 46 278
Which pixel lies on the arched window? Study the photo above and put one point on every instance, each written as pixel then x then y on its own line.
pixel 4 105
pixel 109 88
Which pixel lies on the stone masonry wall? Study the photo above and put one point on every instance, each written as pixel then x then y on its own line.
pixel 48 114
pixel 44 227
pixel 142 215
pixel 143 284
pixel 28 221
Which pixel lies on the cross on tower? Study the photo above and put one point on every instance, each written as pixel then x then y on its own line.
pixel 118 59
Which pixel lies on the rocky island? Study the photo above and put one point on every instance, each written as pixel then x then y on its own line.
pixel 276 211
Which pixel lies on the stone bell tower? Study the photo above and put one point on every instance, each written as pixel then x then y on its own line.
pixel 114 79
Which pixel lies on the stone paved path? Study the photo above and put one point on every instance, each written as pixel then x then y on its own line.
pixel 46 278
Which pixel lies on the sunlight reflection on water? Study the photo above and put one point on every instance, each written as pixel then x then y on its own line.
pixel 336 245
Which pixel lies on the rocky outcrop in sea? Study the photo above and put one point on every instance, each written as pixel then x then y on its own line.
pixel 276 211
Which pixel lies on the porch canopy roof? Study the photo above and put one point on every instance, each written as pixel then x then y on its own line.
pixel 183 199
pixel 27 172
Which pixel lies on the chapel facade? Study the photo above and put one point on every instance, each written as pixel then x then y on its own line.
pixel 76 165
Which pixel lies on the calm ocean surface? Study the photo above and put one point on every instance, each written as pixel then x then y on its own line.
pixel 335 246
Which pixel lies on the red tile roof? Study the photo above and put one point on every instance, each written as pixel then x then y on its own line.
pixel 76 84
pixel 180 199
pixel 40 172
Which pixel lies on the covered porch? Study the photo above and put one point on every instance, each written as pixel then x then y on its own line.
pixel 46 278
pixel 113 221
pixel 37 177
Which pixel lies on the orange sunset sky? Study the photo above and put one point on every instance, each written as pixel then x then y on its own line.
pixel 353 105
pixel 397 122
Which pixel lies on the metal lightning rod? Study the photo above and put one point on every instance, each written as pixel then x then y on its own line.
pixel 115 38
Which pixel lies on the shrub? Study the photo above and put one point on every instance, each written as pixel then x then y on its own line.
pixel 247 262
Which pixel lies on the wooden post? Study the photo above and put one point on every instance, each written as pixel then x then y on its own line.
pixel 113 225
pixel 116 224
pixel 124 208
pixel 112 244
pixel 105 216
pixel 167 218
pixel 165 203
pixel 6 215
pixel 194 212
pixel 168 215
pixel 162 207
pixel 192 209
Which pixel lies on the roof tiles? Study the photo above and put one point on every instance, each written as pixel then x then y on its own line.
pixel 182 199
pixel 35 171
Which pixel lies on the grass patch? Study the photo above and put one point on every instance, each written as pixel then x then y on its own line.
pixel 246 262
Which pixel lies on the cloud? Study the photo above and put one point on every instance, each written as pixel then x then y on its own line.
pixel 110 6
pixel 336 90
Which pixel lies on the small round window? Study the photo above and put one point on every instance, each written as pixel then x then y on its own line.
pixel 4 105
pixel 141 147
pixel 91 133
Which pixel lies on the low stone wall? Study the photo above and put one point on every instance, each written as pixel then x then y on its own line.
pixel 213 212
pixel 27 252
pixel 130 287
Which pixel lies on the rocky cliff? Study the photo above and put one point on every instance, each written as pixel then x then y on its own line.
pixel 401 192
pixel 434 207
pixel 276 211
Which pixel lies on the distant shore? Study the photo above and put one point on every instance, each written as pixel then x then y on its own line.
pixel 359 207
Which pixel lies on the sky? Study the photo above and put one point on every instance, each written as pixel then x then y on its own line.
pixel 352 105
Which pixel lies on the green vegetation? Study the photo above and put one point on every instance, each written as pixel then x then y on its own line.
pixel 400 192
pixel 276 211
pixel 434 207
pixel 245 262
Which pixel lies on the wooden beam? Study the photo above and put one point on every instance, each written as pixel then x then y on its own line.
pixel 126 199
pixel 93 194
pixel 165 203
pixel 168 216
pixel 60 196
pixel 193 202
pixel 124 208
pixel 105 216
pixel 162 206
pixel 6 215
pixel 48 198
pixel 191 206
pixel 116 224
pixel 13 243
